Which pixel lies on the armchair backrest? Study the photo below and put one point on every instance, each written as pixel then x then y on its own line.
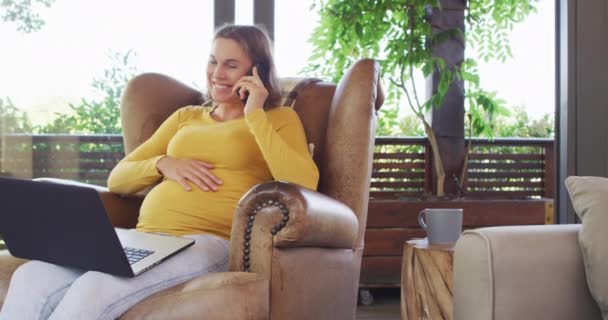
pixel 149 99
pixel 339 120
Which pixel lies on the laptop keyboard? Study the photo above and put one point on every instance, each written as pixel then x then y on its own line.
pixel 135 255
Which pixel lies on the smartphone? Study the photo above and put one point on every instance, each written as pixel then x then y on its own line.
pixel 261 74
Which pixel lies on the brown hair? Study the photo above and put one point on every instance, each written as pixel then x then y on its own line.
pixel 256 42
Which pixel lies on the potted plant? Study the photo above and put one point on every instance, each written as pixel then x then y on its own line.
pixel 411 40
pixel 405 37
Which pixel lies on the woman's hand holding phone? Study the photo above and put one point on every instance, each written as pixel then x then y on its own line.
pixel 252 87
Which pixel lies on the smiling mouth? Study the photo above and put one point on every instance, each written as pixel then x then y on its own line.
pixel 222 86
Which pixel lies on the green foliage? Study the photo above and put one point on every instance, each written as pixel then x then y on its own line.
pixel 13 120
pixel 409 125
pixel 391 124
pixel 401 36
pixel 488 24
pixel 23 13
pixel 395 32
pixel 388 119
pixel 520 125
pixel 515 123
pixel 398 33
pixel 484 109
pixel 97 115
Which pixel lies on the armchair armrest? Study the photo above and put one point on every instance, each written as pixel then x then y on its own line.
pixel 122 210
pixel 521 272
pixel 284 215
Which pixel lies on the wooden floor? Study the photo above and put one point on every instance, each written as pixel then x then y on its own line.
pixel 386 306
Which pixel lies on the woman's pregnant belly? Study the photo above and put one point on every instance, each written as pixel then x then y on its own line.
pixel 169 208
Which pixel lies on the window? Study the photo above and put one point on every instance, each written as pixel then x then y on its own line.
pixel 528 79
pixel 294 23
pixel 46 71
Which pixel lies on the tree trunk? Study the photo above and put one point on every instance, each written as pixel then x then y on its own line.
pixel 448 120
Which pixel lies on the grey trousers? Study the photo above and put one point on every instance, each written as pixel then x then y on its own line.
pixel 39 290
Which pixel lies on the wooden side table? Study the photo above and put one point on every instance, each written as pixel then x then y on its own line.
pixel 427 281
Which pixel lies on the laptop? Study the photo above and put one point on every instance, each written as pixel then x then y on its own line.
pixel 68 225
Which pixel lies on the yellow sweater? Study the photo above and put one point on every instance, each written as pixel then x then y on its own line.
pixel 261 146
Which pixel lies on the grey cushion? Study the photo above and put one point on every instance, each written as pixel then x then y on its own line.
pixel 590 200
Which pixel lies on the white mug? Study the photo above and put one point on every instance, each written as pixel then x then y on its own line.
pixel 442 226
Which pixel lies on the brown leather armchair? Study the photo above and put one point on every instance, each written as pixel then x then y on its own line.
pixel 295 253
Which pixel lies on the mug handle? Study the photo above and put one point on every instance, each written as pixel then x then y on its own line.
pixel 421 220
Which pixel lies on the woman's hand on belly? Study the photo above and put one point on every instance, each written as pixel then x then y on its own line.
pixel 188 170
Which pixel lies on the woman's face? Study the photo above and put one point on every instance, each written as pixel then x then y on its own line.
pixel 228 62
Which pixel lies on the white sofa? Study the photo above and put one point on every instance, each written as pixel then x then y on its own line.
pixel 521 273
